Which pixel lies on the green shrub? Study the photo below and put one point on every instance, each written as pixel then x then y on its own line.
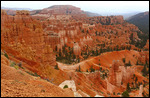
pixel 113 93
pixel 78 70
pixel 56 67
pixel 125 94
pixel 66 86
pixel 42 90
pixel 12 64
pixel 128 64
pixel 33 74
pixel 128 87
pixel 123 59
pixel 118 93
pixel 92 69
pixel 6 55
pixel 87 70
pixel 16 67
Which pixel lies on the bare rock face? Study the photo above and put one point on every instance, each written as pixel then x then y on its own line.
pixel 147 45
pixel 69 83
pixel 115 77
pixel 110 87
pixel 25 35
pixel 106 20
pixel 76 49
pixel 3 12
pixel 144 57
pixel 140 91
pixel 23 12
pixel 118 73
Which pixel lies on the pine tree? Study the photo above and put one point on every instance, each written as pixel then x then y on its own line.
pixel 128 87
pixel 136 79
pixel 79 69
pixel 87 31
pixel 125 94
pixel 59 53
pixel 87 70
pixel 96 51
pixel 124 60
pixel 117 47
pixel 137 63
pixel 130 63
pixel 56 48
pixel 144 71
pixel 91 69
pixel 96 33
pixel 56 67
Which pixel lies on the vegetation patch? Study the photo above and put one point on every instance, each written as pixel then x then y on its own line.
pixel 125 94
pixel 66 86
pixel 6 55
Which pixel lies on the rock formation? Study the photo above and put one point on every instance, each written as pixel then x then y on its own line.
pixel 25 35
pixel 147 45
pixel 118 74
pixel 76 49
pixel 140 91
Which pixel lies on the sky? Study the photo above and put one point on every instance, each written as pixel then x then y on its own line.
pixel 100 7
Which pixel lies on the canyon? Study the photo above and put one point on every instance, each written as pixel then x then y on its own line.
pixel 61 52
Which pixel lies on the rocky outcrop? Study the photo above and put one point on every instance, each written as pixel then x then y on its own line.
pixel 105 20
pixel 76 49
pixel 115 74
pixel 70 84
pixel 98 96
pixel 140 91
pixel 24 34
pixel 118 73
pixel 144 57
pixel 147 45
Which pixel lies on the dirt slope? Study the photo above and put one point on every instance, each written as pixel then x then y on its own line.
pixel 16 83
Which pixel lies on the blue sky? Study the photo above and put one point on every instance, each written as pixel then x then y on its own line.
pixel 101 7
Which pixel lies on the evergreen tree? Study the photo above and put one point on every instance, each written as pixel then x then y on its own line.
pixel 93 52
pixel 125 94
pixel 87 70
pixel 136 79
pixel 137 63
pixel 91 69
pixel 78 59
pixel 124 60
pixel 59 53
pixel 56 67
pixel 87 31
pixel 128 87
pixel 105 74
pixel 96 33
pixel 108 49
pixel 130 63
pixel 82 30
pixel 131 38
pixel 79 69
pixel 100 69
pixel 144 71
pixel 56 48
pixel 96 51
pixel 101 50
pixel 117 47
pixel 130 47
